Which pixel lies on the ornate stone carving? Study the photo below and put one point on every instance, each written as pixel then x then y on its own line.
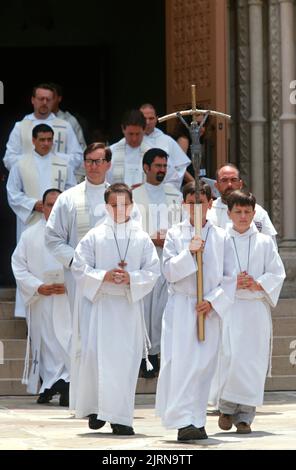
pixel 243 80
pixel 275 112
pixel 191 56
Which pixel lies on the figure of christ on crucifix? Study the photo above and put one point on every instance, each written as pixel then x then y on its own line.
pixel 195 129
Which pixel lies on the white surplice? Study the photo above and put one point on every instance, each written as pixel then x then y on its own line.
pixel 177 157
pixel 187 365
pixel 247 333
pixel 15 147
pixel 48 317
pixel 160 206
pixel 110 359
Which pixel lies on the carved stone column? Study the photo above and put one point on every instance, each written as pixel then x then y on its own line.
pixel 243 79
pixel 288 245
pixel 276 169
pixel 288 118
pixel 256 118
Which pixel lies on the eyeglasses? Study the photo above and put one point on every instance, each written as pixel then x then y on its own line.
pixel 98 161
pixel 229 180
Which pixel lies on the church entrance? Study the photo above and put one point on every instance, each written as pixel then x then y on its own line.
pixel 107 61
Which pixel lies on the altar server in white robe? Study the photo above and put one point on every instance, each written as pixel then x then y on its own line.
pixel 39 278
pixel 228 180
pixel 127 153
pixel 160 205
pixel 115 266
pixel 187 365
pixel 33 174
pixel 20 138
pixel 156 138
pixel 247 335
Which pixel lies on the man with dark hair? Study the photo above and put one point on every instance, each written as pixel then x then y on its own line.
pixel 20 139
pixel 160 205
pixel 30 177
pixel 35 172
pixel 154 137
pixel 127 154
pixel 79 209
pixel 40 281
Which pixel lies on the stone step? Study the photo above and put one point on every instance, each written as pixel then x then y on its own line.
pixel 280 383
pixel 7 293
pixel 6 309
pixel 12 387
pixel 12 369
pixel 14 348
pixel 284 308
pixel 284 326
pixel 282 365
pixel 13 329
pixel 283 345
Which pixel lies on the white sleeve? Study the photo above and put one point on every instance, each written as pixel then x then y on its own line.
pixel 13 147
pixel 73 148
pixel 21 204
pixel 27 283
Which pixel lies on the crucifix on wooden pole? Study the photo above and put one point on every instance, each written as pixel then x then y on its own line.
pixel 195 132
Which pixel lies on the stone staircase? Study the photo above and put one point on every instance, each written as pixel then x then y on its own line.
pixel 13 344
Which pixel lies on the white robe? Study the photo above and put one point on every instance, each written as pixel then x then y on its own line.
pixel 218 216
pixel 177 157
pixel 75 126
pixel 187 365
pixel 127 164
pixel 21 203
pixel 247 333
pixel 160 205
pixel 48 317
pixel 111 358
pixel 61 235
pixel 14 147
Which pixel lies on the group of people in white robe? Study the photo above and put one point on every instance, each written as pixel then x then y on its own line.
pixel 111 272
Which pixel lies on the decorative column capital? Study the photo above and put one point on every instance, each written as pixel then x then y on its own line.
pixel 255 2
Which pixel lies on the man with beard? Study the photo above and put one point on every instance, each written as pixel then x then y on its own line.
pixel 228 180
pixel 160 207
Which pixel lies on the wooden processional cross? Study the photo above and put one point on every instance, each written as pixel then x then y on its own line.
pixel 195 147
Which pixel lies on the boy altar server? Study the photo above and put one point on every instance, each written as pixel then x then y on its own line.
pixel 115 266
pixel 187 365
pixel 247 335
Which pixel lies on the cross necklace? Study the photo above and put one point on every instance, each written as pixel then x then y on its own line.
pixel 122 262
pixel 237 257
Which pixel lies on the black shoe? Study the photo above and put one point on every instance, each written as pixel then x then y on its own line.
pixel 64 399
pixel 60 387
pixel 191 433
pixel 121 430
pixel 44 397
pixel 153 358
pixel 146 374
pixel 94 423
